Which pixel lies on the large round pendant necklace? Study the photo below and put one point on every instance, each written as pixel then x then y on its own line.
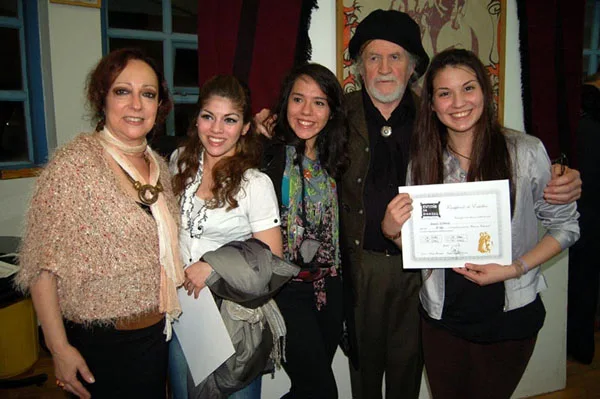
pixel 147 193
pixel 386 131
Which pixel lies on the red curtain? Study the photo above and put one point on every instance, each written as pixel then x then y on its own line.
pixel 551 45
pixel 256 40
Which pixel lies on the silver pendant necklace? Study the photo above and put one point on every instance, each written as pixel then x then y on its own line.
pixel 386 131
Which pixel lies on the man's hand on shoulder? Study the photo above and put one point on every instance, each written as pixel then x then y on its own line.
pixel 265 122
pixel 565 188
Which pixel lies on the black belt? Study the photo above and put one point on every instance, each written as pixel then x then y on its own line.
pixel 386 251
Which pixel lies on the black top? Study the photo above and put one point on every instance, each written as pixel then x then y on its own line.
pixel 273 162
pixel 145 207
pixel 387 168
pixel 477 313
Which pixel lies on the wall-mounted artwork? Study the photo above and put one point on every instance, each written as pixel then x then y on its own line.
pixel 476 25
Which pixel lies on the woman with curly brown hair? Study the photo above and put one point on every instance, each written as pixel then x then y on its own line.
pixel 223 197
pixel 100 253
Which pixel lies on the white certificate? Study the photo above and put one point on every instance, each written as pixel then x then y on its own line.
pixel 454 224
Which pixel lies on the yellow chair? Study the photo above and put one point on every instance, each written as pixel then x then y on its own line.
pixel 19 344
pixel 19 341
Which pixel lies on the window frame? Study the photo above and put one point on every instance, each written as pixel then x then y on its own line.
pixel 170 42
pixel 31 94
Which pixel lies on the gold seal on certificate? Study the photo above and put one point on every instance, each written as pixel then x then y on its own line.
pixel 485 243
pixel 454 224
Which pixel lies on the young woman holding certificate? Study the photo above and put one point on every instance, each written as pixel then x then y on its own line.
pixel 480 321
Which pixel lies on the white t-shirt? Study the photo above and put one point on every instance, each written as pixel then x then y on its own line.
pixel 257 210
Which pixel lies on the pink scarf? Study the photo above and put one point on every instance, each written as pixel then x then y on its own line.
pixel 171 273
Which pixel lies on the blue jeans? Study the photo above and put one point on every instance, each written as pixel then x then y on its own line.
pixel 178 376
pixel 251 391
pixel 177 369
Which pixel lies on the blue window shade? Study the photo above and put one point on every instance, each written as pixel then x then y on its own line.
pixel 38 123
pixel 23 129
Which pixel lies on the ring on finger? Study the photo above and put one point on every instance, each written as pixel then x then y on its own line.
pixel 60 384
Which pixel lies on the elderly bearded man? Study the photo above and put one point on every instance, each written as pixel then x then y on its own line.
pixel 388 55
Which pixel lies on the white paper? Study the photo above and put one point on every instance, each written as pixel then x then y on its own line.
pixel 202 334
pixel 454 224
pixel 7 269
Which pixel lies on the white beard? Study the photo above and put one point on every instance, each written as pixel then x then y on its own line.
pixel 395 95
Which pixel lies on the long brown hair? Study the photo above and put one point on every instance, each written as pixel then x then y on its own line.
pixel 490 159
pixel 229 171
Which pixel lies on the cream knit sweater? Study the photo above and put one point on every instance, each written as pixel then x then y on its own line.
pixel 99 243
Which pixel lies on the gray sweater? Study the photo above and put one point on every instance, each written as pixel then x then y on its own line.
pixel 531 169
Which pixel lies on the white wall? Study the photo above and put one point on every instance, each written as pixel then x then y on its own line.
pixel 14 196
pixel 75 46
pixel 322 34
pixel 513 102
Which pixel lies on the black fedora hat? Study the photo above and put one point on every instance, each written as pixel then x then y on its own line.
pixel 393 26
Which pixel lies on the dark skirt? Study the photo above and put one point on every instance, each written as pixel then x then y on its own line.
pixel 125 363
pixel 458 368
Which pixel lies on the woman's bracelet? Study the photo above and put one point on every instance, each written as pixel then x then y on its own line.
pixel 522 266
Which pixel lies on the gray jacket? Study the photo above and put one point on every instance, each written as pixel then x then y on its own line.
pixel 531 168
pixel 246 276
